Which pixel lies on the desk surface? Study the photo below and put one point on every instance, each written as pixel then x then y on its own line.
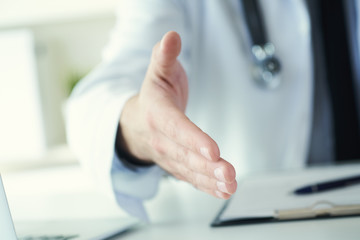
pixel 198 228
pixel 177 212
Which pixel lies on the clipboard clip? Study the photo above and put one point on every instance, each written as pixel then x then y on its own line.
pixel 318 209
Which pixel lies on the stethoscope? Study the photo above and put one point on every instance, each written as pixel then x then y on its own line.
pixel 266 66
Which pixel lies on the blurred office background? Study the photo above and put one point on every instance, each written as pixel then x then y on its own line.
pixel 45 47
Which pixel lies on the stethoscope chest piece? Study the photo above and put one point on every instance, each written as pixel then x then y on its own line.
pixel 266 67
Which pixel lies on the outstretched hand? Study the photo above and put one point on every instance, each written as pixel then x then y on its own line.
pixel 154 128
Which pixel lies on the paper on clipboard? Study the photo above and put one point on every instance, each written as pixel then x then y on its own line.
pixel 265 196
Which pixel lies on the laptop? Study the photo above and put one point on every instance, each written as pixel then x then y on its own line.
pixel 59 229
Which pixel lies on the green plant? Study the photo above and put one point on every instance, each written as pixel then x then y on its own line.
pixel 73 79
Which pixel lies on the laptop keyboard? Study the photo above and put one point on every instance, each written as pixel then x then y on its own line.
pixel 58 237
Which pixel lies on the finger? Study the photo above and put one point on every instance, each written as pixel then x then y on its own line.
pixel 213 192
pixel 203 182
pixel 165 53
pixel 180 165
pixel 166 72
pixel 221 170
pixel 178 128
pixel 218 194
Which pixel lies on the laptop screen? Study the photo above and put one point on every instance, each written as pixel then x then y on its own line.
pixel 7 230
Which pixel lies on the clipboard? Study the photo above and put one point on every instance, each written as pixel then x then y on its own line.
pixel 270 198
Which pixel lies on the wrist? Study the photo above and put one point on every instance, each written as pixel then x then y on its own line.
pixel 125 156
pixel 122 145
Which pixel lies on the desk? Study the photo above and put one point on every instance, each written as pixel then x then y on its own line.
pixel 177 212
pixel 192 220
pixel 198 228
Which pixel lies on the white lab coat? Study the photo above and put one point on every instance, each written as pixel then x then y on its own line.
pixel 256 129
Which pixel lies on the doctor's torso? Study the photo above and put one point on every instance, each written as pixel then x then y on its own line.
pixel 256 129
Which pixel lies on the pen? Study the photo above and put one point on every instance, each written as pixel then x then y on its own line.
pixel 328 185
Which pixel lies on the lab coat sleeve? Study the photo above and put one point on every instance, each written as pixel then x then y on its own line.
pixel 94 107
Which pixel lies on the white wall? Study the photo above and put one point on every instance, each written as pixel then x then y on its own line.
pixel 21 121
pixel 62 48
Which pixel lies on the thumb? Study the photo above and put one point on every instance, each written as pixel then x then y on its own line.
pixel 166 72
pixel 166 52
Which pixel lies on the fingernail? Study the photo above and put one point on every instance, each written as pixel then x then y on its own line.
pixel 219 174
pixel 205 152
pixel 219 194
pixel 222 187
